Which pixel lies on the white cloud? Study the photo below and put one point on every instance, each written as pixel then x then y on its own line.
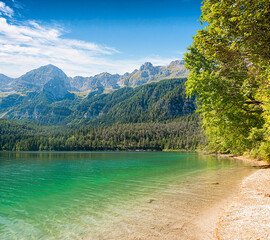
pixel 5 10
pixel 28 45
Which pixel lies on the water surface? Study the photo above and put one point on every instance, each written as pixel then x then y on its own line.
pixel 107 195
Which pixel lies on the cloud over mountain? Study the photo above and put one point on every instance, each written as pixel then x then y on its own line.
pixel 28 44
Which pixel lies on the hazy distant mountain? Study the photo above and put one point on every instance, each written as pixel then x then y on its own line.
pixel 102 80
pixel 147 73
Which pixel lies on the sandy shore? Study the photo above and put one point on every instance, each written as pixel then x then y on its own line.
pixel 248 215
pixel 225 204
pixel 181 211
pixel 232 204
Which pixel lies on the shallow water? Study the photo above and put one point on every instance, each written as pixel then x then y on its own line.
pixel 108 195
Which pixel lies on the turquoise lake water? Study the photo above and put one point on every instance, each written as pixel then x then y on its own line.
pixel 71 195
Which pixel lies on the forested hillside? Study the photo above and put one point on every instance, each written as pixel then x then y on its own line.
pixel 151 102
pixel 54 105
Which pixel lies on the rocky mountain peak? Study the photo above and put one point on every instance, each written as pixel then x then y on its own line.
pixel 43 74
pixel 146 66
pixel 104 74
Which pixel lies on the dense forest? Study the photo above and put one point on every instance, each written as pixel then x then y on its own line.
pixel 183 133
pixel 229 64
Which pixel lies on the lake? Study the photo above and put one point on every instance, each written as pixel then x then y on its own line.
pixel 111 195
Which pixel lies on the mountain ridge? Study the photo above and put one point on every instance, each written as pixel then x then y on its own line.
pixel 35 79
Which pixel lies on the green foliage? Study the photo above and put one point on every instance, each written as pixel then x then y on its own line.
pixel 229 74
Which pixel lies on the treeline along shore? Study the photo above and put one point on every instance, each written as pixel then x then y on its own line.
pixel 183 133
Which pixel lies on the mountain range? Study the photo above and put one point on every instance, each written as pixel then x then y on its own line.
pixel 36 79
pixel 47 96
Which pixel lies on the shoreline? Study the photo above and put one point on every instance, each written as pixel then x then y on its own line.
pixel 247 216
pixel 190 212
pixel 255 161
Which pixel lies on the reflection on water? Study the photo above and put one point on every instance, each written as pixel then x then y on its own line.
pixel 109 195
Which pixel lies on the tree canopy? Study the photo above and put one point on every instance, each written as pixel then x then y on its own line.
pixel 229 64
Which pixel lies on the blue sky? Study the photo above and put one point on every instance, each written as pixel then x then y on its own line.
pixel 88 37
